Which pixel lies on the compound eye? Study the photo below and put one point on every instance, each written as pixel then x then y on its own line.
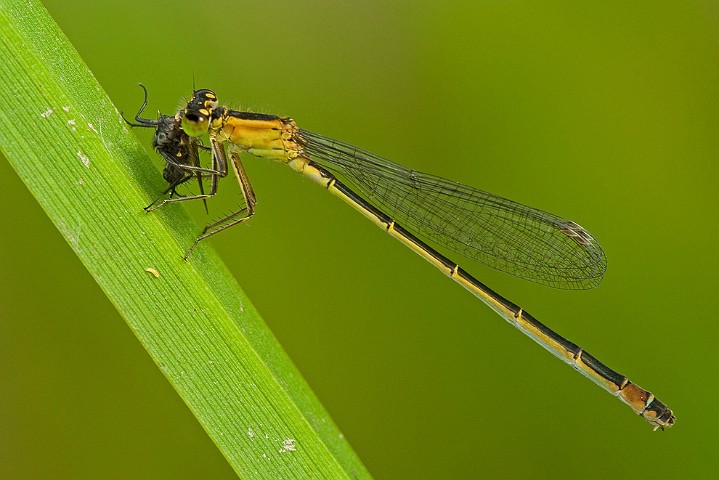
pixel 195 123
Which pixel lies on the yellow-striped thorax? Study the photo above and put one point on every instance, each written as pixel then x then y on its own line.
pixel 267 136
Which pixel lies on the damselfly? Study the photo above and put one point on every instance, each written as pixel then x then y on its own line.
pixel 415 208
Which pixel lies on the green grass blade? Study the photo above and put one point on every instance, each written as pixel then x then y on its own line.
pixel 67 142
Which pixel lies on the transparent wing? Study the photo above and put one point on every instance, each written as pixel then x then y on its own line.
pixel 503 234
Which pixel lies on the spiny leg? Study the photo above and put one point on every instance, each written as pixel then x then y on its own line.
pixel 218 170
pixel 235 218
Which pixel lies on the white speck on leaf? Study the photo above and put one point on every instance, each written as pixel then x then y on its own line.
pixel 47 113
pixel 84 159
pixel 289 445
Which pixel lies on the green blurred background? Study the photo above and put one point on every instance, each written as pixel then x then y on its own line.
pixel 606 114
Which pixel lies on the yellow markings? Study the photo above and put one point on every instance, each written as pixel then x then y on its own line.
pixel 277 154
pixel 371 216
pixel 298 164
pixel 205 112
pixel 413 246
pixel 273 125
pixel 595 376
pixel 153 272
pixel 485 296
pixel 481 294
pixel 261 138
pixel 552 345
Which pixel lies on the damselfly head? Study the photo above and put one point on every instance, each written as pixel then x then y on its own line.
pixel 197 114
